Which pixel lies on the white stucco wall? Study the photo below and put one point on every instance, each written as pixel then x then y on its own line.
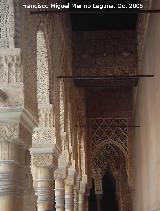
pixel 147 137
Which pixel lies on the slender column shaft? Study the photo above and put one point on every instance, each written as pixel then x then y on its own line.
pixel 59 194
pixel 81 202
pixel 11 179
pixel 7 187
pixel 43 189
pixel 75 199
pixel 86 202
pixel 99 198
pixel 69 198
pixel 30 201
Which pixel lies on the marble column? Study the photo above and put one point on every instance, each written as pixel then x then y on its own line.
pixel 69 188
pixel 43 191
pixel 20 178
pixel 53 192
pixel 76 198
pixel 30 200
pixel 76 192
pixel 69 197
pixel 86 196
pixel 99 201
pixel 81 201
pixel 59 193
pixel 10 178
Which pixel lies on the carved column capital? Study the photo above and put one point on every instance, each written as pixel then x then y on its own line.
pixel 64 159
pixel 82 187
pixel 60 174
pixel 70 180
pixel 42 160
pixel 9 132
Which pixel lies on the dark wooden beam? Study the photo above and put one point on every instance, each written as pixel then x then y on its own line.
pixel 107 77
pixel 109 11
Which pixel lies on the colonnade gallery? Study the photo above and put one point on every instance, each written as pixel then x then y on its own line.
pixel 79 105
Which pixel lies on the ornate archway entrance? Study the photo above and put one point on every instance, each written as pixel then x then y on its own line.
pixel 109 144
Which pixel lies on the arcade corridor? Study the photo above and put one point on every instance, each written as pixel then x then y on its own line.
pixel 79 107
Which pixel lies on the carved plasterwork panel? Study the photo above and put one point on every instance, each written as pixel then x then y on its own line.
pixel 104 52
pixel 109 144
pixel 62 100
pixel 43 137
pixel 6 23
pixel 42 69
pixel 108 156
pixel 109 130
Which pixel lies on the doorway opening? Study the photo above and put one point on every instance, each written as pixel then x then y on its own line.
pixel 109 198
pixel 92 198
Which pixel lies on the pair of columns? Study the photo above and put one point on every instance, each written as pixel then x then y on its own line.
pixel 99 201
pixel 66 196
